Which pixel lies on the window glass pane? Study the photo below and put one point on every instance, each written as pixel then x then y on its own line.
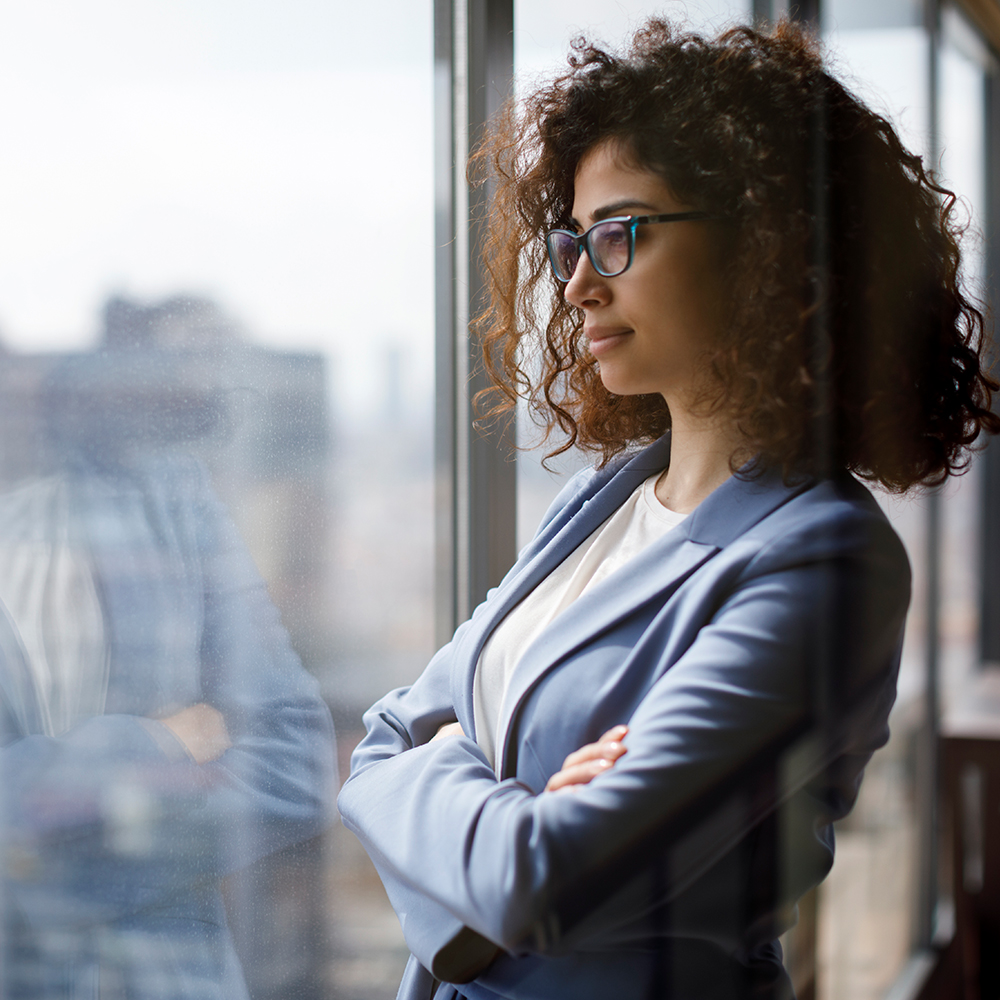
pixel 965 68
pixel 208 363
pixel 964 64
pixel 544 29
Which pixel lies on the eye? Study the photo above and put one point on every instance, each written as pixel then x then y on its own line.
pixel 610 247
pixel 610 236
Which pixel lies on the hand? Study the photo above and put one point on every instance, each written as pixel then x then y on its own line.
pixel 585 764
pixel 448 729
pixel 202 730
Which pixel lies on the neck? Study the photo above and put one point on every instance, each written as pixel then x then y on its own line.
pixel 701 449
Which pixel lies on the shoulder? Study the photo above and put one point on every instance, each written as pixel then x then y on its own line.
pixel 172 473
pixel 834 512
pixel 833 521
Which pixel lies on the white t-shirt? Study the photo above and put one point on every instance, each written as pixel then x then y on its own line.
pixel 640 521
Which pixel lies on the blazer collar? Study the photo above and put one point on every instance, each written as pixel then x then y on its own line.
pixel 738 504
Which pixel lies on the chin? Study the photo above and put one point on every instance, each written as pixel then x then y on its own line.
pixel 615 383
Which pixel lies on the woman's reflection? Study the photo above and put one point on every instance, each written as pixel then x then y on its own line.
pixel 158 730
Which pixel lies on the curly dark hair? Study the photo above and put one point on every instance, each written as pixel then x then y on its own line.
pixel 850 343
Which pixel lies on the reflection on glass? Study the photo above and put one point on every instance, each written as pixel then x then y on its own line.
pixel 158 730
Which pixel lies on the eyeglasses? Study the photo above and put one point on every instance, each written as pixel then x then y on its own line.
pixel 610 243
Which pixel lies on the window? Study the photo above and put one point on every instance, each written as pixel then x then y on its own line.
pixel 217 258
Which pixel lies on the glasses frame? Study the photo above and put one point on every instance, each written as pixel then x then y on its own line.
pixel 631 222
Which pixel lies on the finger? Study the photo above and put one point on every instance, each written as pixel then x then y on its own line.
pixel 611 739
pixel 614 734
pixel 611 750
pixel 579 774
pixel 448 729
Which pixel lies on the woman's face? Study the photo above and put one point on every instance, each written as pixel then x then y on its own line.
pixel 649 328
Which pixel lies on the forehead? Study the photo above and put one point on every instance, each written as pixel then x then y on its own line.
pixel 607 183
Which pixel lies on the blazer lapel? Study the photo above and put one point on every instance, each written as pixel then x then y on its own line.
pixel 578 519
pixel 729 512
pixel 654 573
pixel 598 500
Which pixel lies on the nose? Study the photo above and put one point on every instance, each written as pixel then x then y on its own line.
pixel 586 288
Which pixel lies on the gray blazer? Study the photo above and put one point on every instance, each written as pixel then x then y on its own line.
pixel 753 652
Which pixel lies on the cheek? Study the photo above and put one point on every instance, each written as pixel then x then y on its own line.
pixel 683 295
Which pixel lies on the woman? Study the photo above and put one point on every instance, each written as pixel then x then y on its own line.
pixel 755 305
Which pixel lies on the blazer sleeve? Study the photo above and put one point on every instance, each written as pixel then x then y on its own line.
pixel 115 816
pixel 522 870
pixel 400 726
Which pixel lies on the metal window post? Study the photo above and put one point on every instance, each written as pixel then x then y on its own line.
pixel 475 472
pixel 927 775
pixel 989 566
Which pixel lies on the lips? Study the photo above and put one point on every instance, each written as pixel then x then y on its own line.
pixel 603 339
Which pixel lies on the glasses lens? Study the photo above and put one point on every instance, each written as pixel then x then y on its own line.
pixel 609 247
pixel 563 254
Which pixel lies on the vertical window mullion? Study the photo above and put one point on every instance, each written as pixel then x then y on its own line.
pixel 475 469
pixel 445 376
pixel 927 772
pixel 989 567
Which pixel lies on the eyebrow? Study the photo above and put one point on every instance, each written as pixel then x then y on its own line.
pixel 616 208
